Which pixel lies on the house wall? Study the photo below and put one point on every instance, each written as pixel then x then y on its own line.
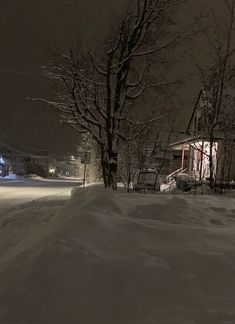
pixel 226 162
pixel 199 165
pixel 232 173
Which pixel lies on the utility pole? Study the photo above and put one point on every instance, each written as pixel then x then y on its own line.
pixel 84 175
pixel 85 160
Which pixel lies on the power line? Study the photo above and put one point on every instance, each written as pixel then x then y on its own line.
pixel 22 73
pixel 24 146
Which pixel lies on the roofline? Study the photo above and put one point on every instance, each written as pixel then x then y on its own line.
pixel 194 110
pixel 200 137
pixel 185 141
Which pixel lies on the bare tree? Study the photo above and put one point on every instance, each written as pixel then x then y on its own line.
pixel 96 91
pixel 133 147
pixel 226 150
pixel 145 148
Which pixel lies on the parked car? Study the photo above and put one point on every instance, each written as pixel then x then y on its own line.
pixel 147 180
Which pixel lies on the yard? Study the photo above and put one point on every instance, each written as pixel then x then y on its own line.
pixel 105 257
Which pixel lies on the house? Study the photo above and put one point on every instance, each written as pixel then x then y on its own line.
pixel 21 160
pixel 209 140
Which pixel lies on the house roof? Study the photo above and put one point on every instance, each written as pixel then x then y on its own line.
pixel 228 91
pixel 194 111
pixel 184 141
pixel 187 139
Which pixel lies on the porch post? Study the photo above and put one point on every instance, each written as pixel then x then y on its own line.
pixel 201 162
pixel 182 158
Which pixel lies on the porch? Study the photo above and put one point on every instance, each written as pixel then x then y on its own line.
pixel 198 153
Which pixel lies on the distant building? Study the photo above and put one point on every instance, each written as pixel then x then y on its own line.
pixel 21 160
pixel 64 166
pixel 85 164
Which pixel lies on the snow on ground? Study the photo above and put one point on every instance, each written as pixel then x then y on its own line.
pixel 11 177
pixel 114 258
pixel 16 191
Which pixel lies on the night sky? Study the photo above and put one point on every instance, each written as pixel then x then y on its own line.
pixel 27 30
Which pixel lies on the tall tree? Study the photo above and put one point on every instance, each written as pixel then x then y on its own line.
pixel 95 90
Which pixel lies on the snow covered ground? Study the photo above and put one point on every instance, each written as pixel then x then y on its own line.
pixel 17 190
pixel 114 258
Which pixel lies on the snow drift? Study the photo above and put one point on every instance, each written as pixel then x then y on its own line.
pixel 114 258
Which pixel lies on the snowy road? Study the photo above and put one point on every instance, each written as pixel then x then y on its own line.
pixel 17 192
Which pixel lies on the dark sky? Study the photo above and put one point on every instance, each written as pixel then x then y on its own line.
pixel 27 29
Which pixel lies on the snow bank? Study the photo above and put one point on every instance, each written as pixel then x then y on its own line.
pixel 12 177
pixel 114 258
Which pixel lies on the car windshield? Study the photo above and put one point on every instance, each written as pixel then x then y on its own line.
pixel 147 177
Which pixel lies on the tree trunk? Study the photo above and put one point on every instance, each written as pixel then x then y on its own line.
pixel 109 168
pixel 104 167
pixel 113 170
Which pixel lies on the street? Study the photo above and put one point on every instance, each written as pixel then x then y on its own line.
pixel 17 192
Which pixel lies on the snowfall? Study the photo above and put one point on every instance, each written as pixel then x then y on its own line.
pixel 100 257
